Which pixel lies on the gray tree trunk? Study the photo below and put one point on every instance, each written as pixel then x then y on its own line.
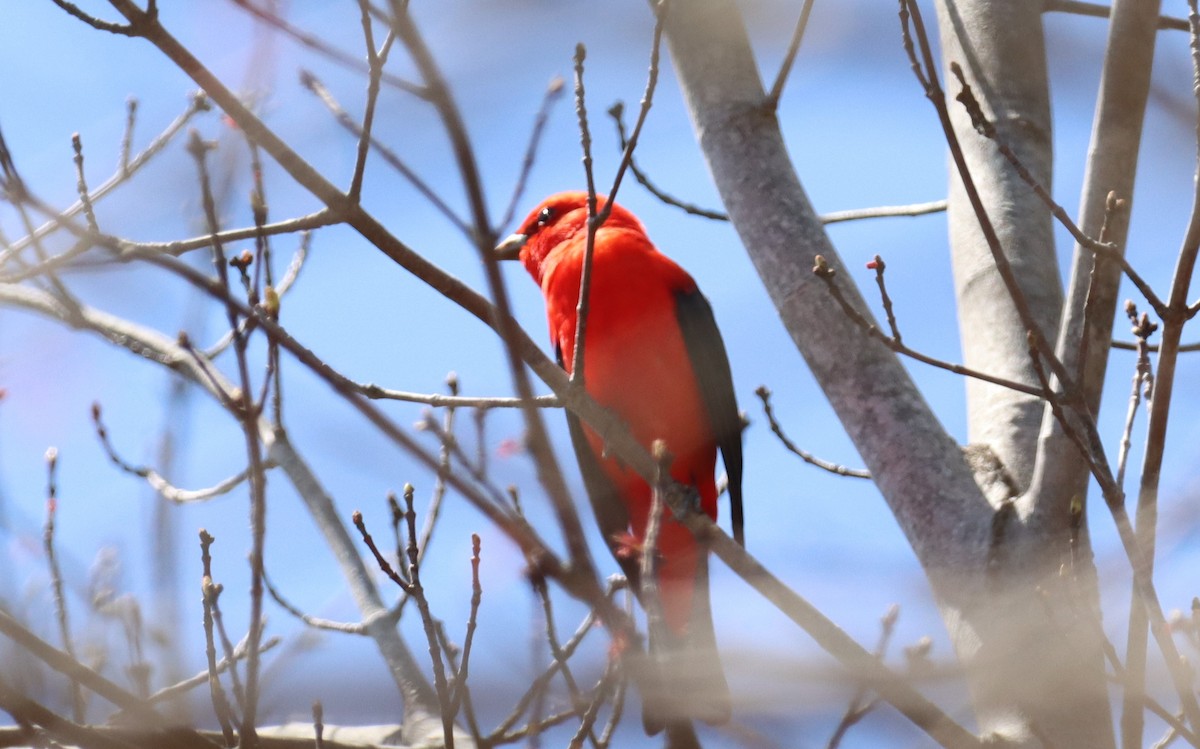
pixel 1028 635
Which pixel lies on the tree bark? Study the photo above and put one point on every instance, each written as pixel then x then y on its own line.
pixel 1034 669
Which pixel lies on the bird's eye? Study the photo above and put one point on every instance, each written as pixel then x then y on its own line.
pixel 545 216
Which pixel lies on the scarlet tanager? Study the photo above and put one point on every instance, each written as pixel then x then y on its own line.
pixel 654 357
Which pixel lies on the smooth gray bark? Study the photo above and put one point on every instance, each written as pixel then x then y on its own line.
pixel 1028 676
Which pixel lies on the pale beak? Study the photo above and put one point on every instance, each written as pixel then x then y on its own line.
pixel 510 248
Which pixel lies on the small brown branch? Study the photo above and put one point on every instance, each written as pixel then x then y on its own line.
pixel 827 273
pixel 1096 10
pixel 210 592
pixel 81 184
pixel 198 103
pixel 318 89
pixel 319 45
pixel 78 706
pixel 439 400
pixel 131 107
pixel 616 111
pixel 417 591
pixel 318 716
pixel 560 654
pixel 130 29
pixel 451 448
pixel 549 99
pixel 600 694
pixel 1153 347
pixel 239 653
pixel 384 567
pixel 593 224
pixel 247 415
pixel 155 480
pixel 1114 209
pixel 375 63
pixel 764 394
pixel 859 707
pixel 661 8
pixel 890 686
pixel 460 678
pixel 1143 382
pixel 597 215
pixel 785 68
pixel 879 267
pixel 328 625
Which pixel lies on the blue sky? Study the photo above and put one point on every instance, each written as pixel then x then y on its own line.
pixel 861 134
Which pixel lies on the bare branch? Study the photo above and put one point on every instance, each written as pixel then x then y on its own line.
pixel 551 97
pixel 1096 10
pixel 826 273
pixel 314 42
pixel 765 395
pixel 789 59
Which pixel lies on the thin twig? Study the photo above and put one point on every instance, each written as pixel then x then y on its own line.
pixel 246 414
pixel 1153 347
pixel 828 274
pixel 577 360
pixel 81 184
pixel 789 59
pixel 197 103
pixel 239 653
pixel 210 591
pixel 549 99
pixel 460 678
pixel 347 628
pixel 1097 10
pixel 439 400
pixel 316 43
pixel 131 108
pixel 156 481
pixel 884 211
pixel 113 28
pixel 1174 317
pixel 1143 381
pixel 313 84
pixel 375 62
pixel 574 692
pixel 879 267
pixel 857 710
pixel 318 716
pixel 587 721
pixel 764 394
pixel 78 708
pixel 417 591
pixel 561 656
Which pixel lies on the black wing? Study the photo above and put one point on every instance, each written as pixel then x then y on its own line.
pixel 611 515
pixel 711 365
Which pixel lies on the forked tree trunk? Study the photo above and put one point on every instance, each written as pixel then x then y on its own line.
pixel 1025 628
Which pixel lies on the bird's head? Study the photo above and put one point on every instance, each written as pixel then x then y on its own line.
pixel 556 221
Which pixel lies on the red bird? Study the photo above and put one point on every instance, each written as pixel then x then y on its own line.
pixel 653 356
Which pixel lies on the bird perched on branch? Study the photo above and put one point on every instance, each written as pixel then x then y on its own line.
pixel 652 355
